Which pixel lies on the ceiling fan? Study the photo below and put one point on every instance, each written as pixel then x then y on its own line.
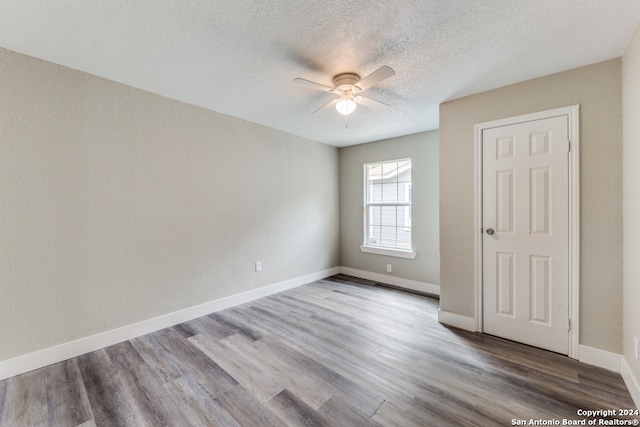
pixel 348 87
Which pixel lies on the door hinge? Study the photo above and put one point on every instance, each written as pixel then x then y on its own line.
pixel 569 324
pixel 568 145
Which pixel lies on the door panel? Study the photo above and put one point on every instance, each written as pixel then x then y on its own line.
pixel 505 282
pixel 525 262
pixel 540 267
pixel 539 201
pixel 505 199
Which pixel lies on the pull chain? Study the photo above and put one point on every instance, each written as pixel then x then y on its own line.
pixel 346 124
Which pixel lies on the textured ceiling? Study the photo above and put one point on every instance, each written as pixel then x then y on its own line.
pixel 239 57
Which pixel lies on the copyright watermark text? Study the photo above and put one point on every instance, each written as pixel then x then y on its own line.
pixel 597 417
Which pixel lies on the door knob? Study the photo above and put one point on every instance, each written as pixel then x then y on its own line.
pixel 490 231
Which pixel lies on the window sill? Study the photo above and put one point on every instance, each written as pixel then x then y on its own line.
pixel 388 252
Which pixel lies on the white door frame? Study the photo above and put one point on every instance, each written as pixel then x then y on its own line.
pixel 573 113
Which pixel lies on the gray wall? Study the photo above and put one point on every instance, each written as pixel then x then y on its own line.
pixel 597 88
pixel 118 205
pixel 631 135
pixel 422 148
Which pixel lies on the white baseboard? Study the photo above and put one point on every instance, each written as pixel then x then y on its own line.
pixel 601 358
pixel 631 382
pixel 392 280
pixel 457 320
pixel 41 358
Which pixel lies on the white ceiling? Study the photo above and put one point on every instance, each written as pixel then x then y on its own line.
pixel 239 57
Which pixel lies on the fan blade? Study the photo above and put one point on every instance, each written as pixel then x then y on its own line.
pixel 371 103
pixel 328 104
pixel 312 84
pixel 376 77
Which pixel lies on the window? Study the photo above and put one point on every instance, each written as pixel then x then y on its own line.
pixel 388 208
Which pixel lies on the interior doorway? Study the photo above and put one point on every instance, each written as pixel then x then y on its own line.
pixel 527 229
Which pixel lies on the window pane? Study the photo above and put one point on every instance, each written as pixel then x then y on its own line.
pixel 388 237
pixel 404 171
pixel 374 235
pixel 388 216
pixel 374 171
pixel 389 169
pixel 388 184
pixel 402 192
pixel 375 193
pixel 390 193
pixel 401 219
pixel 404 239
pixel 375 215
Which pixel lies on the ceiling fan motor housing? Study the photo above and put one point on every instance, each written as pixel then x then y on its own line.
pixel 346 82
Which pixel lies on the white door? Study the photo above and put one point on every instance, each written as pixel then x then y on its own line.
pixel 525 213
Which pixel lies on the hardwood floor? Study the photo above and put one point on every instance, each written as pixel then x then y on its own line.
pixel 337 352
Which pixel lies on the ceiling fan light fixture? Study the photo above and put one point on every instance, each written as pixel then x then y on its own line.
pixel 346 105
pixel 347 86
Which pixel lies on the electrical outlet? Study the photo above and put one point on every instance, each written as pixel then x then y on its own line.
pixel 258 266
pixel 635 348
pixel 388 268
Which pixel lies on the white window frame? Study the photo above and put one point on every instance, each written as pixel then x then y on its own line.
pixel 406 204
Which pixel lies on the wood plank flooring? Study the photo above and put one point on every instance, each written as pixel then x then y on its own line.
pixel 337 352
